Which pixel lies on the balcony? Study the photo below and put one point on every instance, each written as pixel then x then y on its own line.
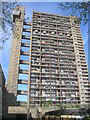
pixel 34 75
pixel 34 54
pixel 35 71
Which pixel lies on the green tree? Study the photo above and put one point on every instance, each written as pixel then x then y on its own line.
pixel 79 9
pixel 49 102
pixel 6 20
pixel 86 118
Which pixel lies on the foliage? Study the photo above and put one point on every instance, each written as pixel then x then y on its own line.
pixel 59 105
pixel 86 118
pixel 79 9
pixel 43 103
pixel 76 106
pixel 6 20
pixel 49 102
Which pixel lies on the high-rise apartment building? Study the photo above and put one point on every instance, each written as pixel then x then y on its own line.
pixel 47 60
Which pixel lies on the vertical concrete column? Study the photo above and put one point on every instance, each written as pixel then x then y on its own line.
pixel 18 17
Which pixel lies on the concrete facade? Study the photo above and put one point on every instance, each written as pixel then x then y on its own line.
pixel 6 99
pixel 58 69
pixel 50 48
pixel 15 52
pixel 3 94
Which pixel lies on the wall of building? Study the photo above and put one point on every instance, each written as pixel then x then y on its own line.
pixel 2 92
